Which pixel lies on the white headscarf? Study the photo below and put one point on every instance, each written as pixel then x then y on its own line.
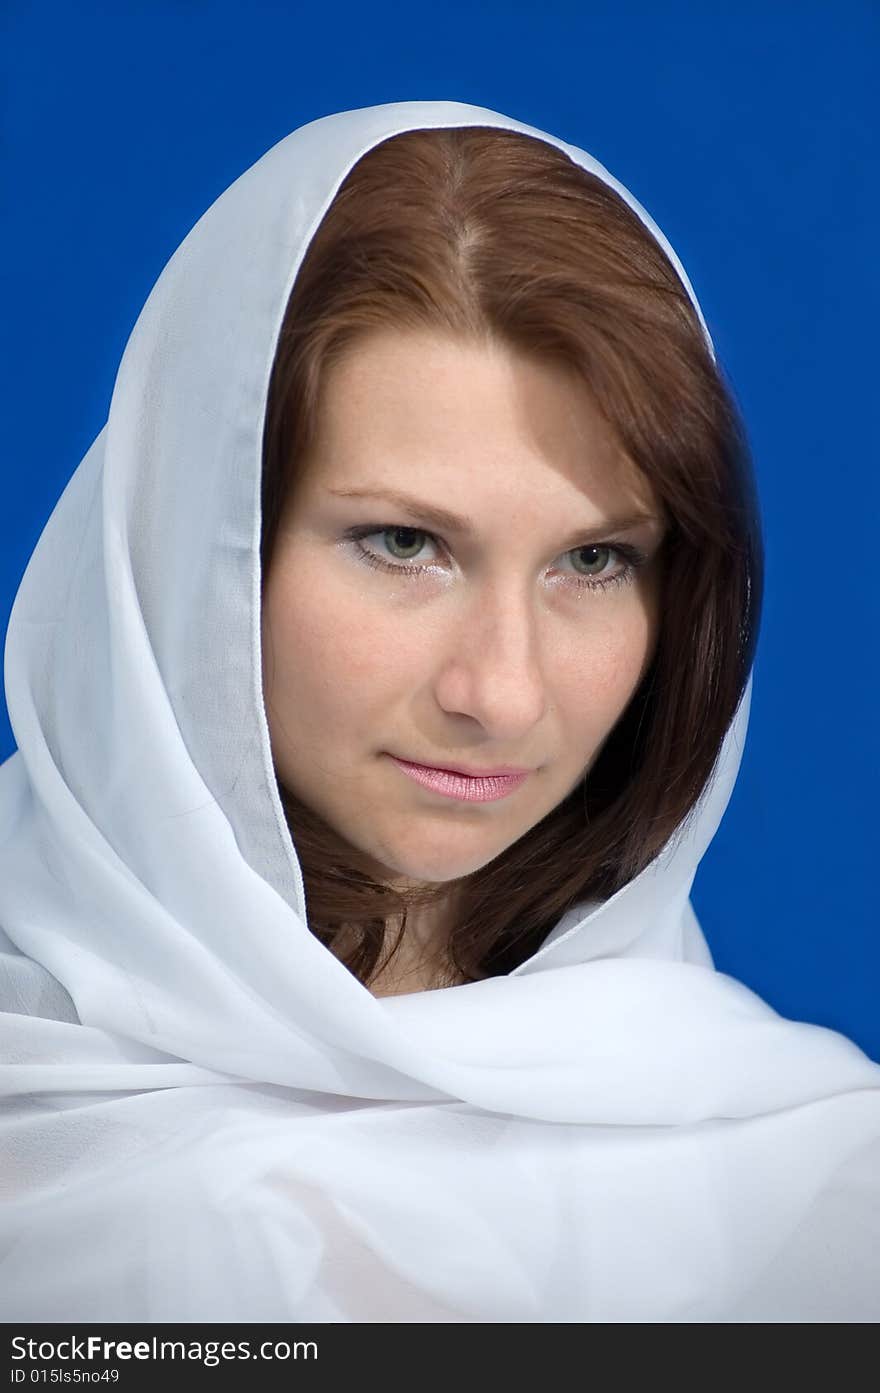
pixel 206 1116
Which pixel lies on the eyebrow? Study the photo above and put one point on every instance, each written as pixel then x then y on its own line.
pixel 446 521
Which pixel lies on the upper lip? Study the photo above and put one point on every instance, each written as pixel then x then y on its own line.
pixel 471 773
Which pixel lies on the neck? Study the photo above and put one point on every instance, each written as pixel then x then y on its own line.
pixel 420 963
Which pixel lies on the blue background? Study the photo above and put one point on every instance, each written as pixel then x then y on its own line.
pixel 745 129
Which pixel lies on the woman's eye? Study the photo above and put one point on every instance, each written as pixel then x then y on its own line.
pixel 403 543
pixel 591 560
pixel 408 549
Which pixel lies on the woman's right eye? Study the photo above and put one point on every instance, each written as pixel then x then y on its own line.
pixel 394 548
pixel 404 543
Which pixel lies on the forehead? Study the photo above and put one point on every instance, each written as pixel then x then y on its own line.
pixel 455 414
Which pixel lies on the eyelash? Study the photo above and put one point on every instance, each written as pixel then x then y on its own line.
pixel 633 558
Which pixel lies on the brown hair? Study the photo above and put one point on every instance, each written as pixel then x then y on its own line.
pixel 495 235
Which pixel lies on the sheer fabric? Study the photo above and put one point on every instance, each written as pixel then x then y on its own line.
pixel 205 1115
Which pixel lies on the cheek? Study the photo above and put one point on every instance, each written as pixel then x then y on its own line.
pixel 597 677
pixel 329 656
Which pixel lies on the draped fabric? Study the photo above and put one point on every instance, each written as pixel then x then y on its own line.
pixel 205 1115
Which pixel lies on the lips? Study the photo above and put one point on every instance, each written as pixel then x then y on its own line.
pixel 481 786
pixel 500 772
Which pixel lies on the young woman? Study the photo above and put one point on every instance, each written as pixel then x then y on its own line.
pixel 379 682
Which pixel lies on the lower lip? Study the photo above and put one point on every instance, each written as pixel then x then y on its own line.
pixel 484 789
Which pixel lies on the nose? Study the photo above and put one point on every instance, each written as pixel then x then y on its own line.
pixel 492 667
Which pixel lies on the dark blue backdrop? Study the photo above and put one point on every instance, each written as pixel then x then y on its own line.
pixel 745 129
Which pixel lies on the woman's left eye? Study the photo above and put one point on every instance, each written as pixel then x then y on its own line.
pixel 591 560
pixel 402 549
pixel 600 564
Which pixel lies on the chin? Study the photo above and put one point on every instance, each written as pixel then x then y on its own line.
pixel 432 865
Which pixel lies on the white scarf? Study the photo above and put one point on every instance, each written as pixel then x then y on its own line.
pixel 205 1115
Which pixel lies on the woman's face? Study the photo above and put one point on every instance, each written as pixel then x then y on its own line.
pixel 453 587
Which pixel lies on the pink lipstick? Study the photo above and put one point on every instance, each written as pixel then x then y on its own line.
pixel 469 788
